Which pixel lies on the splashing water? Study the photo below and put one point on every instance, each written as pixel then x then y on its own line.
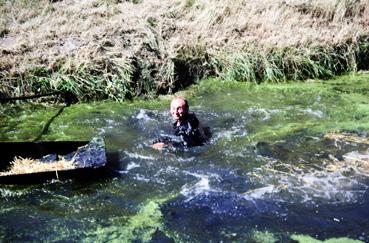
pixel 268 167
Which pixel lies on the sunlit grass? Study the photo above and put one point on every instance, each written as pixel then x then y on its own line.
pixel 108 49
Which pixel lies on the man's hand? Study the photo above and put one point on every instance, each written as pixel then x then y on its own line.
pixel 159 146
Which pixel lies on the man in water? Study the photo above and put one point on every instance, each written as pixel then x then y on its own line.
pixel 186 127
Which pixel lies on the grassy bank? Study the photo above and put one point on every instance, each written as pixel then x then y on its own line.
pixel 98 49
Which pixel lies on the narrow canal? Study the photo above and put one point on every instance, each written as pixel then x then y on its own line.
pixel 284 160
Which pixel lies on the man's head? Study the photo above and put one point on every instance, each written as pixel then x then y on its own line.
pixel 179 108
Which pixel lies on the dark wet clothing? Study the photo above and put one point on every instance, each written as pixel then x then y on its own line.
pixel 189 131
pixel 187 134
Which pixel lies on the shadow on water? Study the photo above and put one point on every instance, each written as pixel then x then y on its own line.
pixel 269 167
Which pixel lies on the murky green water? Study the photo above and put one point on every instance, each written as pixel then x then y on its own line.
pixel 267 173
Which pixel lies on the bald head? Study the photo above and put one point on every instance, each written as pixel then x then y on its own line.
pixel 179 108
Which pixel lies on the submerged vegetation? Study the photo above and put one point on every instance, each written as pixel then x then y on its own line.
pixel 337 105
pixel 309 239
pixel 139 227
pixel 100 49
pixel 288 161
pixel 289 158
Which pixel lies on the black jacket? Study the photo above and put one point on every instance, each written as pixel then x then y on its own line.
pixel 189 132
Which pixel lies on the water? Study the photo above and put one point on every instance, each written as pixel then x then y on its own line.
pixel 267 172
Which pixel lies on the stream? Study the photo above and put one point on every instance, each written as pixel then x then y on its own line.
pixel 284 161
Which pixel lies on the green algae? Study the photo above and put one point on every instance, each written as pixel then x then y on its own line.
pixel 344 109
pixel 309 239
pixel 293 108
pixel 24 122
pixel 342 103
pixel 139 227
pixel 2 233
pixel 145 222
pixel 263 237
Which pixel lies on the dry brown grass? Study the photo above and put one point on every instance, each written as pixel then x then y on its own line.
pixel 150 35
pixel 355 160
pixel 27 165
pixel 347 137
pixel 358 161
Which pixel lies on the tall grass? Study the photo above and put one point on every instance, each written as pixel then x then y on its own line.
pixel 98 49
pixel 293 63
pixel 85 81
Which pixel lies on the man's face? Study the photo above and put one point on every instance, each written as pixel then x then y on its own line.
pixel 178 109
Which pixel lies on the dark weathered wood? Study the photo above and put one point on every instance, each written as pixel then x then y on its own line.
pixel 87 168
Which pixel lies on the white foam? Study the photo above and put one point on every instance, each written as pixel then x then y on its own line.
pixel 180 159
pixel 9 193
pixel 314 185
pixel 230 134
pixel 138 156
pixel 201 186
pixel 142 115
pixel 316 113
pixel 141 178
pixel 265 113
pixel 132 165
pixel 260 192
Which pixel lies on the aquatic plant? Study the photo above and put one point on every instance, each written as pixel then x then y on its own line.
pixel 263 237
pixel 309 239
pixel 347 137
pixel 251 158
pixel 2 233
pixel 144 224
pixel 139 227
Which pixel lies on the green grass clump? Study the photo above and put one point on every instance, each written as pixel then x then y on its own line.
pixel 309 239
pixel 291 63
pixel 86 82
pixel 263 237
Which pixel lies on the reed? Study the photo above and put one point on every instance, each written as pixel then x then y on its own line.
pixel 106 79
pixel 291 63
pixel 100 49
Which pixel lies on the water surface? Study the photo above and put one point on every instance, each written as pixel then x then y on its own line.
pixel 269 170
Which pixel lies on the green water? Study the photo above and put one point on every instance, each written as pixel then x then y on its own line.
pixel 261 178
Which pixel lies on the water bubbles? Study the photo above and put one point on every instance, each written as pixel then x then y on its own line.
pixel 260 192
pixel 310 111
pixel 132 165
pixel 132 155
pixel 262 114
pixel 325 184
pixel 201 186
pixel 143 115
pixel 7 193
